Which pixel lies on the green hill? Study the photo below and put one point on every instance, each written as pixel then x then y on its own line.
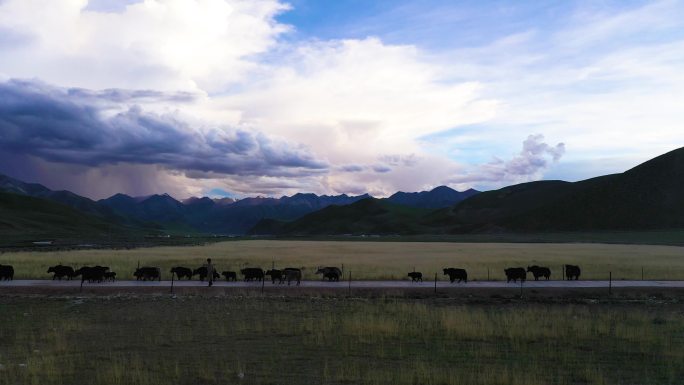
pixel 647 197
pixel 367 216
pixel 25 216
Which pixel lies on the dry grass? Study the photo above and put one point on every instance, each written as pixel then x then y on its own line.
pixel 199 340
pixel 377 260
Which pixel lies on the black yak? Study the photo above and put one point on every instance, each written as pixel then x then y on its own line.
pixel 230 275
pixel 6 272
pixel 275 275
pixel 252 273
pixel 572 271
pixel 91 274
pixel 181 272
pixel 416 276
pixel 332 273
pixel 292 274
pixel 455 274
pixel 60 272
pixel 148 273
pixel 539 271
pixel 515 273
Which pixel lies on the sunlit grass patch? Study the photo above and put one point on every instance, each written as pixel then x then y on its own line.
pixel 375 260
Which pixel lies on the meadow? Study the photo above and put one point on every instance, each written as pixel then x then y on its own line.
pixel 151 340
pixel 375 260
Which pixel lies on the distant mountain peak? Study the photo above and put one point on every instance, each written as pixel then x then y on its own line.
pixel 442 188
pixel 438 197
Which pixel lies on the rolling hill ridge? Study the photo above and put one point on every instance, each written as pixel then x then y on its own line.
pixel 649 196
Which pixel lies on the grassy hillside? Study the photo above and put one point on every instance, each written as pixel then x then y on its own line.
pixel 24 217
pixel 647 197
pixel 367 216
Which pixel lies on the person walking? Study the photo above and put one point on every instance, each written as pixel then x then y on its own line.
pixel 210 272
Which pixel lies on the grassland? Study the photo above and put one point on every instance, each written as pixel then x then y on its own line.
pixel 376 260
pixel 152 340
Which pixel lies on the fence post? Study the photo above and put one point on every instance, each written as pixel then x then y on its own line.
pixel 263 282
pixel 349 282
pixel 610 282
pixel 435 283
pixel 642 273
pixel 488 274
pixel 172 275
pixel 521 288
pixel 563 272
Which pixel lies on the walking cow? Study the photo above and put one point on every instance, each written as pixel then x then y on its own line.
pixel 230 275
pixel 252 273
pixel 60 272
pixel 515 273
pixel 276 275
pixel 91 274
pixel 148 273
pixel 416 276
pixel 572 271
pixel 181 272
pixel 332 273
pixel 292 274
pixel 455 274
pixel 538 271
pixel 6 272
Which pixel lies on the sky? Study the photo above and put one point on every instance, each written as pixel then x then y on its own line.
pixel 266 97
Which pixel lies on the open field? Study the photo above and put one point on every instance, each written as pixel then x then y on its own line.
pixel 252 339
pixel 376 260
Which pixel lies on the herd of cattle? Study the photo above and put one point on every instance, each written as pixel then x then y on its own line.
pixel 289 274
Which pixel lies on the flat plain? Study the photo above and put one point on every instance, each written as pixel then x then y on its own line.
pixel 375 260
pixel 318 339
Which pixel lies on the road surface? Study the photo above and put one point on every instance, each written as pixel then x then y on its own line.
pixel 354 284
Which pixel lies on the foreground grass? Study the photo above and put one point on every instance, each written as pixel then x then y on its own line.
pixel 252 340
pixel 376 260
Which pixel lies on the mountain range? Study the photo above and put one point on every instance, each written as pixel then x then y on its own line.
pixel 649 196
pixel 161 212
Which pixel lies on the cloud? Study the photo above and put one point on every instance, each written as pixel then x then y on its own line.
pixel 97 182
pixel 57 125
pixel 184 84
pixel 351 168
pixel 360 97
pixel 155 44
pixel 528 165
pixel 117 95
pixel 381 169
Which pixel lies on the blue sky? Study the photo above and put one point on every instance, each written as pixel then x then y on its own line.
pixel 275 97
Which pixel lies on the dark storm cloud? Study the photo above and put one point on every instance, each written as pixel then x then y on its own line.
pixel 69 126
pixel 351 168
pixel 116 95
pixel 381 169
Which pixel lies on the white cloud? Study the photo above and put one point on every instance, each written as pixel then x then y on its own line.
pixel 155 44
pixel 604 82
pixel 356 100
pixel 526 166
